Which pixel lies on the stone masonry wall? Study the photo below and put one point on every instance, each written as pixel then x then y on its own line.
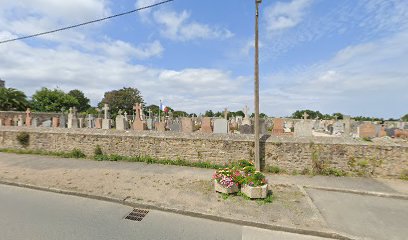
pixel 288 153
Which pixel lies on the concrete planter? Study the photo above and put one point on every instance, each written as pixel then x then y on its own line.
pixel 255 192
pixel 220 188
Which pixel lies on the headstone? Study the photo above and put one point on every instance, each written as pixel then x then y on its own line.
pixel 15 121
pixel 226 113
pixel 246 119
pixel 62 121
pixel 106 122
pixel 72 118
pixel 90 121
pixel 55 122
pixel 121 123
pixel 288 127
pixel 262 126
pixel 303 129
pixel 28 118
pixel 390 132
pixel 20 121
pixel 366 130
pixel 206 125
pixel 35 122
pixel 46 124
pixel 149 123
pixel 278 126
pixel 246 129
pixel 305 116
pixel 347 125
pixel 8 122
pixel 160 126
pixel 221 126
pixel 338 128
pixel 174 126
pixel 98 123
pixel 81 122
pixel 186 125
pixel 139 124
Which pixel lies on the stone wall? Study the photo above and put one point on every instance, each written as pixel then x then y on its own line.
pixel 288 153
pixel 42 116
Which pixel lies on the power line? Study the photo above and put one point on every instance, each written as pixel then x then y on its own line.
pixel 86 23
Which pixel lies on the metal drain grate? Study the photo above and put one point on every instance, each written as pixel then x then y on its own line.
pixel 137 215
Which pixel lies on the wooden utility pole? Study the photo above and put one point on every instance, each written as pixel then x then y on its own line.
pixel 256 150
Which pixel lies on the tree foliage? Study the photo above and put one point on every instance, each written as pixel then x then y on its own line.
pixel 12 99
pixel 405 118
pixel 83 102
pixel 123 99
pixel 47 100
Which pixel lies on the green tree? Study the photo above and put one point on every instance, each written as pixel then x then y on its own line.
pixel 123 99
pixel 83 102
pixel 12 99
pixel 239 113
pixel 405 118
pixel 312 114
pixel 209 113
pixel 47 100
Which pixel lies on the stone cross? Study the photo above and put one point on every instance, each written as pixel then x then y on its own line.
pixel 317 118
pixel 125 114
pixel 70 110
pixel 74 110
pixel 150 113
pixel 305 115
pixel 226 113
pixel 28 112
pixel 138 108
pixel 336 117
pixel 106 109
pixel 246 109
pixel 120 112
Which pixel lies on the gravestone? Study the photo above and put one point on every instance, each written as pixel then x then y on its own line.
pixel 62 121
pixel 121 123
pixel 149 123
pixel 206 125
pixel 72 118
pixel 174 126
pixel 106 122
pixel 15 121
pixel 160 126
pixel 35 122
pixel 20 121
pixel 81 122
pixel 221 126
pixel 139 124
pixel 390 132
pixel 246 129
pixel 278 126
pixel 338 128
pixel 288 127
pixel 186 125
pixel 90 121
pixel 347 125
pixel 303 129
pixel 46 124
pixel 55 122
pixel 8 122
pixel 28 118
pixel 262 126
pixel 226 113
pixel 246 119
pixel 366 130
pixel 98 123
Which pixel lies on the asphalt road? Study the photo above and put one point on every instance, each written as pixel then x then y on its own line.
pixel 31 214
pixel 365 216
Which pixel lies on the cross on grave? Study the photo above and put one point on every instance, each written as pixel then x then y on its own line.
pixel 106 109
pixel 138 108
pixel 317 118
pixel 246 109
pixel 125 114
pixel 74 110
pixel 28 112
pixel 150 113
pixel 226 113
pixel 70 110
pixel 336 117
pixel 305 115
pixel 120 112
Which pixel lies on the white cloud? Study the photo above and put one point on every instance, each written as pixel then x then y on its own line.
pixel 178 26
pixel 284 15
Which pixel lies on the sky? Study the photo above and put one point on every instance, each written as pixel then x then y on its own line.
pixel 348 56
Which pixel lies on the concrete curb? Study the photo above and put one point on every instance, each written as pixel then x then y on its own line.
pixel 315 210
pixel 316 233
pixel 364 193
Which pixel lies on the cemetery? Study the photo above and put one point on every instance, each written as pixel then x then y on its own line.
pixel 293 145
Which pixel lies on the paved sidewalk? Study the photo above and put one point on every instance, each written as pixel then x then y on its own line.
pixel 188 190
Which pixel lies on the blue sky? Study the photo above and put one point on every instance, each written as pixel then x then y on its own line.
pixel 346 56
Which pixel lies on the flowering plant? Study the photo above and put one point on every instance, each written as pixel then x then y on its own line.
pixel 254 179
pixel 227 177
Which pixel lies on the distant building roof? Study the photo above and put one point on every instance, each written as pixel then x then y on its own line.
pixel 2 83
